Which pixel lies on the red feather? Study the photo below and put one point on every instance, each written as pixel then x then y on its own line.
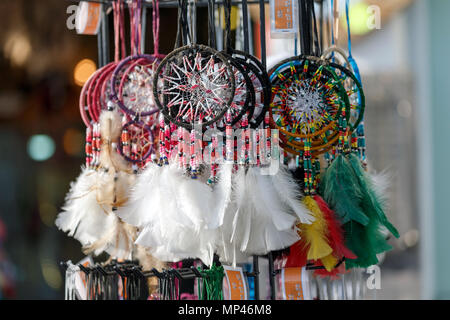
pixel 335 231
pixel 333 274
pixel 297 255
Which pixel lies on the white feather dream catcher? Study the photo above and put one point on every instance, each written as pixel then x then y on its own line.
pixel 88 211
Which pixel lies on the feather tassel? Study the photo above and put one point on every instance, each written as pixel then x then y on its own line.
pixel 357 202
pixel 315 234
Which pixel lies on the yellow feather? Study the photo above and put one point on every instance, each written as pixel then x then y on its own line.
pixel 329 262
pixel 315 234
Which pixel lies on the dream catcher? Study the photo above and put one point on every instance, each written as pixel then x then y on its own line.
pixel 317 105
pixel 131 90
pixel 193 86
pixel 103 186
pixel 258 209
pixel 357 197
pixel 310 108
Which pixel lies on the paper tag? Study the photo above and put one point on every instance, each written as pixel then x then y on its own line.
pixel 295 284
pixel 234 286
pixel 282 17
pixel 80 279
pixel 88 17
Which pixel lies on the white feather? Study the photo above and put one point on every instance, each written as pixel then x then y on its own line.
pixel 82 216
pixel 142 199
pixel 261 222
pixel 290 194
pixel 222 194
pixel 380 181
pixel 110 125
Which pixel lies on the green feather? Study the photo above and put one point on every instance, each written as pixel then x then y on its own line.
pixel 341 191
pixel 371 202
pixel 350 193
pixel 365 242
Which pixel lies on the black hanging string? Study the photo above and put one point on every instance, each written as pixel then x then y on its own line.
pixel 245 25
pixel 211 24
pixel 311 9
pixel 227 9
pixel 305 28
pixel 262 30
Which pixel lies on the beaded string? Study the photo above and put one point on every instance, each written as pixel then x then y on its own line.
pixel 244 140
pixel 258 151
pixel 267 132
pixel 172 144
pixel 96 145
pixel 229 144
pixel 88 147
pixel 307 167
pixel 193 160
pixel 181 147
pixel 167 142
pixel 213 170
pixel 162 140
pixel 125 138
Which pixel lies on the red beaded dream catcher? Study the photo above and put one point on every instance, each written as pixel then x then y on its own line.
pixel 102 188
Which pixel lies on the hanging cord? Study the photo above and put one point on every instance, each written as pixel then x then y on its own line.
pixel 312 10
pixel 155 23
pixel 211 24
pixel 245 25
pixel 334 17
pixel 227 40
pixel 183 35
pixel 135 9
pixel 262 18
pixel 194 21
pixel 119 35
pixel 304 28
pixel 349 44
pixel 178 41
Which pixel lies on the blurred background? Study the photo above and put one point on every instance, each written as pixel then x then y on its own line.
pixel 404 66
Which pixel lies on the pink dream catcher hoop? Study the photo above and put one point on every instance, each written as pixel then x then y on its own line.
pixel 131 89
pixel 131 82
pixel 92 101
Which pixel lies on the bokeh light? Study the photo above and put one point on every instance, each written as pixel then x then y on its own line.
pixel 83 70
pixel 51 274
pixel 73 142
pixel 358 18
pixel 17 48
pixel 41 147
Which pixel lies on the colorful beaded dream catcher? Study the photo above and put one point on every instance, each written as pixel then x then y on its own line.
pixel 182 159
pixel 318 105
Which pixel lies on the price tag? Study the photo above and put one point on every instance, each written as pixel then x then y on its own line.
pixel 282 17
pixel 234 286
pixel 88 18
pixel 295 284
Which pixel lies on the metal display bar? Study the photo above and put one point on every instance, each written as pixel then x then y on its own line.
pixel 171 3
